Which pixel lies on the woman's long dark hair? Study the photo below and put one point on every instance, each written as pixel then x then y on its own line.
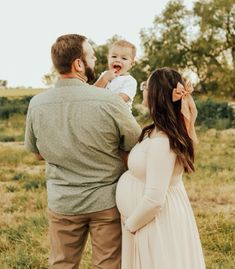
pixel 166 115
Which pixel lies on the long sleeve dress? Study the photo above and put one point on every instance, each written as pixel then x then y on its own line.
pixel 153 202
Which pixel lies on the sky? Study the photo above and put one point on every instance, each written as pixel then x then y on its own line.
pixel 29 27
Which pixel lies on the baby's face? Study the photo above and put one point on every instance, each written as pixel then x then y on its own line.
pixel 120 59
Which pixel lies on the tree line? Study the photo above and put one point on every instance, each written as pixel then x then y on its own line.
pixel 199 42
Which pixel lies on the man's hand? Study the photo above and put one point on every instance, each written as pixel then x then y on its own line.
pixel 124 156
pixel 39 157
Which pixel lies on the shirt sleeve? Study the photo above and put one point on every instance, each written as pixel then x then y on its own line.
pixel 159 168
pixel 128 128
pixel 30 138
pixel 129 88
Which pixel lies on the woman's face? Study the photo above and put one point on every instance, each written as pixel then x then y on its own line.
pixel 143 87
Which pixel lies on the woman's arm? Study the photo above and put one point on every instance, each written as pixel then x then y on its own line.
pixel 159 168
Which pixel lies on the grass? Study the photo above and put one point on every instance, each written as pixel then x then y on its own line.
pixel 12 129
pixel 15 92
pixel 23 223
pixel 211 190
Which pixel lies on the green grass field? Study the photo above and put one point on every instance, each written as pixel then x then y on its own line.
pixel 12 129
pixel 14 92
pixel 23 222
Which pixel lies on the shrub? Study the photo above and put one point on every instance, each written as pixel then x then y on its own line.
pixel 213 114
pixel 8 106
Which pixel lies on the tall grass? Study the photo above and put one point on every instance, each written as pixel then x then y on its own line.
pixel 23 223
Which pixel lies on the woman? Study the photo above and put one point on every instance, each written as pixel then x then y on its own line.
pixel 159 229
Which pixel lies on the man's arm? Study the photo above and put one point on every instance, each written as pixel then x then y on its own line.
pixel 30 138
pixel 128 128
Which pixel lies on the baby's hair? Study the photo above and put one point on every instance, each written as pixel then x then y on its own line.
pixel 125 44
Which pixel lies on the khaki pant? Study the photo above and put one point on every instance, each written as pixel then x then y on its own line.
pixel 68 236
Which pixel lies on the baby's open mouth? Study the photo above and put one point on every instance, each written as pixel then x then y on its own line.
pixel 117 67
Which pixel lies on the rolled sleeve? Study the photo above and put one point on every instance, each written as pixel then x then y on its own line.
pixel 30 138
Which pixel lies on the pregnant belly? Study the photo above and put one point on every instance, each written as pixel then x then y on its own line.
pixel 129 192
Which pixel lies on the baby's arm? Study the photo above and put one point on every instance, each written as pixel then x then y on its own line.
pixel 124 96
pixel 128 89
pixel 105 78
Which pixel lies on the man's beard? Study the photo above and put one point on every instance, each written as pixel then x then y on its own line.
pixel 89 72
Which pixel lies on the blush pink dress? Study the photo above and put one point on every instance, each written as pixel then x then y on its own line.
pixel 153 202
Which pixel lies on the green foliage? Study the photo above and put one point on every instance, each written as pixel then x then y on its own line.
pixel 34 184
pixel 7 138
pixel 12 118
pixel 215 115
pixel 101 53
pixel 166 44
pixel 213 51
pixel 23 240
pixel 11 188
pixel 201 41
pixel 8 106
pixel 211 114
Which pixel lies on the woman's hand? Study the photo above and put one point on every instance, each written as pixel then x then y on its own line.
pixel 123 220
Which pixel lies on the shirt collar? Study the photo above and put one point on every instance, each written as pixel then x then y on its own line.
pixel 68 82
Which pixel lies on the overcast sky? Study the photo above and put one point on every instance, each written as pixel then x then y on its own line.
pixel 29 27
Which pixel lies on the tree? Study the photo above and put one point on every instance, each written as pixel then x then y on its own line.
pixel 166 43
pixel 201 41
pixel 212 53
pixel 3 83
pixel 50 78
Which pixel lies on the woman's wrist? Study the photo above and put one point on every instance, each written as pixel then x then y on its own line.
pixel 128 228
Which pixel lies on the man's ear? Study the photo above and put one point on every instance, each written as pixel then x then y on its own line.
pixel 78 65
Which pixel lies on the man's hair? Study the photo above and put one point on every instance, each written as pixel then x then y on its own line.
pixel 125 44
pixel 65 50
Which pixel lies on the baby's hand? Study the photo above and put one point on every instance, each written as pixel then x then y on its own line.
pixel 105 78
pixel 109 75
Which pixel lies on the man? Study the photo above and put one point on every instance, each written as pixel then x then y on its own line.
pixel 78 130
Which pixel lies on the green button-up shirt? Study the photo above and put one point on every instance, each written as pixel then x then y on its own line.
pixel 78 129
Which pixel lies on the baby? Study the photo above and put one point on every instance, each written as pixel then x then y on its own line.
pixel 117 79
